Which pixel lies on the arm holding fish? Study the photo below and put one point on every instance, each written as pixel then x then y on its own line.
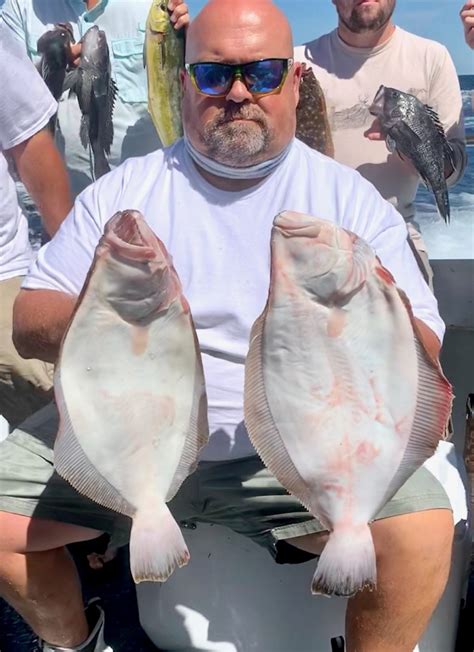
pixel 49 295
pixel 48 185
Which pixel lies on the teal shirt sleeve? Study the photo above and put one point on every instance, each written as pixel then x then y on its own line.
pixel 12 18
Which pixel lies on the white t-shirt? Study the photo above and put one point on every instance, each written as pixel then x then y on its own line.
pixel 26 106
pixel 220 244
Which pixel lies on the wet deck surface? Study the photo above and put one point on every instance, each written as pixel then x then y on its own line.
pixel 123 632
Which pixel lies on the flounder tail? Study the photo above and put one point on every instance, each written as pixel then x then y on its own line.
pixel 157 545
pixel 347 563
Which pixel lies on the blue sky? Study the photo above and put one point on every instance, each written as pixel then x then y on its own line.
pixel 436 19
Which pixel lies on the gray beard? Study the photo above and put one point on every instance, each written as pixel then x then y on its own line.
pixel 235 143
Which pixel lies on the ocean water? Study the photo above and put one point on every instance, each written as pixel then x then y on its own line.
pixel 455 240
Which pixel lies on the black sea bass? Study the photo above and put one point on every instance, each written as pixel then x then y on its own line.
pixel 130 392
pixel 414 130
pixel 336 389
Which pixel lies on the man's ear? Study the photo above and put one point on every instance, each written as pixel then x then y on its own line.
pixel 297 70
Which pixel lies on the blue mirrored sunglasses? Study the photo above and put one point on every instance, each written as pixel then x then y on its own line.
pixel 260 77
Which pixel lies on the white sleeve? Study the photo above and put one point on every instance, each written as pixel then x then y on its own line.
pixel 378 222
pixel 63 263
pixel 26 105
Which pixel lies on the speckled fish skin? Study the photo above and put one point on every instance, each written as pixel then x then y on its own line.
pixel 341 400
pixel 415 131
pixel 130 392
pixel 312 124
pixel 164 58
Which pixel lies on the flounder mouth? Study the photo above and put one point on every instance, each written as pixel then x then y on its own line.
pixel 291 224
pixel 130 237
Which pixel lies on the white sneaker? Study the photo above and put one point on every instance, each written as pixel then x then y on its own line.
pixel 95 641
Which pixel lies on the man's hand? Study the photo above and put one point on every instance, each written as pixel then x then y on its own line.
pixel 75 54
pixel 467 17
pixel 374 132
pixel 179 13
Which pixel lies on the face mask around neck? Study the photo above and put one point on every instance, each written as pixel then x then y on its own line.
pixel 257 171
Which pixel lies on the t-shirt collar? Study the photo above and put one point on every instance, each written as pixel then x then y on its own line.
pixel 363 53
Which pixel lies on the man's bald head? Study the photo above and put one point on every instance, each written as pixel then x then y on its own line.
pixel 257 22
pixel 241 129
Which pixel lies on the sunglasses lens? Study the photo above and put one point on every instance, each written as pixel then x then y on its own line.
pixel 212 78
pixel 264 76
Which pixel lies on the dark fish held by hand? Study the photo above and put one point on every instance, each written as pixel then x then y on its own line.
pixel 312 124
pixel 95 89
pixel 54 46
pixel 414 130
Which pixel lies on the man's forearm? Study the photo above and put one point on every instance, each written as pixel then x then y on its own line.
pixel 42 170
pixel 40 319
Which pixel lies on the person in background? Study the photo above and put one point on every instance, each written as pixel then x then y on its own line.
pixel 366 50
pixel 467 18
pixel 123 22
pixel 25 108
pixel 218 189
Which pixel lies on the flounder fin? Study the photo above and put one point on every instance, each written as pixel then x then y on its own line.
pixel 259 422
pixel 347 563
pixel 72 464
pixel 157 545
pixel 433 409
pixel 198 433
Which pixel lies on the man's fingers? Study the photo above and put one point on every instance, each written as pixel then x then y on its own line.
pixel 374 132
pixel 75 54
pixel 179 13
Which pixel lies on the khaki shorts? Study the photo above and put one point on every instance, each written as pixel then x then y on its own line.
pixel 25 385
pixel 240 494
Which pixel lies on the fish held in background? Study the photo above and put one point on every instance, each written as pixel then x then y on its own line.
pixel 54 46
pixel 130 391
pixel 342 401
pixel 312 124
pixel 164 58
pixel 95 89
pixel 413 130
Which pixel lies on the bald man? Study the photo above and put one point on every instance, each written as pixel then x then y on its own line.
pixel 218 190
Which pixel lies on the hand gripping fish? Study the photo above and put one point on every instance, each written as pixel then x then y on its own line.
pixel 130 392
pixel 342 402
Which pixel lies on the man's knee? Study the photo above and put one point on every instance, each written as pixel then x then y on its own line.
pixel 424 536
pixel 23 534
